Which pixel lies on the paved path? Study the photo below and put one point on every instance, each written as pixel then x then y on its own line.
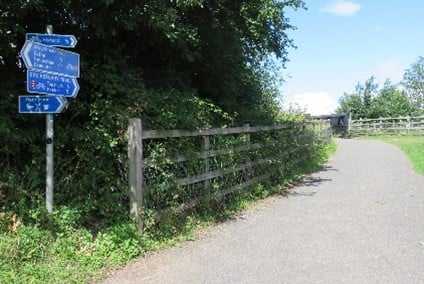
pixel 359 220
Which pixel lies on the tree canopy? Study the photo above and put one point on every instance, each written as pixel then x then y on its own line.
pixel 392 100
pixel 413 81
pixel 174 63
pixel 212 46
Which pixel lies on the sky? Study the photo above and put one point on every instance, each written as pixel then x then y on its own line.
pixel 343 42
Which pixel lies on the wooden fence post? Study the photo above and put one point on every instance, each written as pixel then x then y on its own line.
pixel 247 134
pixel 246 140
pixel 328 133
pixel 205 147
pixel 135 177
pixel 349 122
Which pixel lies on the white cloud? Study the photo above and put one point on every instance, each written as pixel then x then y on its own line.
pixel 314 103
pixel 390 69
pixel 342 8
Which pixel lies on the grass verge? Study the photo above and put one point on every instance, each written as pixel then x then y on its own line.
pixel 412 146
pixel 56 249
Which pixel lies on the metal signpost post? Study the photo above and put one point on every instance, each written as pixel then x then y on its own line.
pixel 52 72
pixel 49 152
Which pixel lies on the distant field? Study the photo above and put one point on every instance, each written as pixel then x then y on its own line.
pixel 413 146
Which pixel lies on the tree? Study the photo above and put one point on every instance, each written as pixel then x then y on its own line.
pixel 392 101
pixel 359 103
pixel 369 91
pixel 369 101
pixel 413 81
pixel 351 103
pixel 174 63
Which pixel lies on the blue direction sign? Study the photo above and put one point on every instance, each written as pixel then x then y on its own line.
pixel 41 104
pixel 50 59
pixel 51 84
pixel 53 39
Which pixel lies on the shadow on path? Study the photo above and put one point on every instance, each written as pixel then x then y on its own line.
pixel 312 180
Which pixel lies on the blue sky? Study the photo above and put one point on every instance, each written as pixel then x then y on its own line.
pixel 343 42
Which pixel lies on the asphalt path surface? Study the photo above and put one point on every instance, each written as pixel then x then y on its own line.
pixel 358 220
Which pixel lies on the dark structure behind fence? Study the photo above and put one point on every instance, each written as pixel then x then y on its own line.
pixel 340 123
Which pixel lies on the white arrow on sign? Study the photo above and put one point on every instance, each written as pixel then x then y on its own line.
pixel 51 84
pixel 41 104
pixel 53 39
pixel 50 59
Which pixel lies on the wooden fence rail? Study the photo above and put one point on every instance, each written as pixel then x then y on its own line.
pixel 388 125
pixel 177 168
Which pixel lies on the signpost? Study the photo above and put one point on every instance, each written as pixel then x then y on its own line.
pixel 51 71
pixel 53 39
pixel 41 104
pixel 50 59
pixel 51 84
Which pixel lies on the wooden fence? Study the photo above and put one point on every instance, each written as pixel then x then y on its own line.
pixel 178 168
pixel 391 125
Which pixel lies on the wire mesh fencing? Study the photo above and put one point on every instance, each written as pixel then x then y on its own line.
pixel 178 168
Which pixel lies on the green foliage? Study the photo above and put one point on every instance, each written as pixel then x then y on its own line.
pixel 172 161
pixel 182 64
pixel 413 81
pixel 393 100
pixel 56 250
pixel 215 48
pixel 173 222
pixel 412 146
pixel 177 64
pixel 49 248
pixel 369 101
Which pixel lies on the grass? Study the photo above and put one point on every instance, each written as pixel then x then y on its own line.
pixel 36 253
pixel 56 249
pixel 412 146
